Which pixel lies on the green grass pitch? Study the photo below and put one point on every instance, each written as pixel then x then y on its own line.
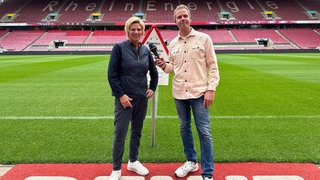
pixel 59 109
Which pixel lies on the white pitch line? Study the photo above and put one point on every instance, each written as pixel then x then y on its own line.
pixel 157 117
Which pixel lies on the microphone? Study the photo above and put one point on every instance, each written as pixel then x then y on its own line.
pixel 153 49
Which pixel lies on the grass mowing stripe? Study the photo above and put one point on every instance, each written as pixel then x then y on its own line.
pixel 40 67
pixel 71 91
pixel 85 141
pixel 296 67
pixel 260 113
pixel 149 117
pixel 246 88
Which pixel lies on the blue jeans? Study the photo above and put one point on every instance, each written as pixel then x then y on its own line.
pixel 202 122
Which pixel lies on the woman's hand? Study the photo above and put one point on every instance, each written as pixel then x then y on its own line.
pixel 125 101
pixel 149 93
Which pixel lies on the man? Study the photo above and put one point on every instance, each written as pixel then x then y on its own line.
pixel 193 61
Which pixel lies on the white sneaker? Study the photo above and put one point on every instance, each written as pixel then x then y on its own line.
pixel 115 175
pixel 187 167
pixel 138 168
pixel 207 178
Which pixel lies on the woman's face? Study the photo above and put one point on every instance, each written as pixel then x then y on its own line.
pixel 135 33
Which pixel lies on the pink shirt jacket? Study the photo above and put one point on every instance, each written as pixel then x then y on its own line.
pixel 194 63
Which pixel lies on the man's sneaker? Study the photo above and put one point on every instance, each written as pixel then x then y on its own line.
pixel 138 168
pixel 187 167
pixel 115 175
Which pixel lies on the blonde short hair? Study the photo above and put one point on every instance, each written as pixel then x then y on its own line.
pixel 181 6
pixel 131 21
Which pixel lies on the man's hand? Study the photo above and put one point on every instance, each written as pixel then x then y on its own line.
pixel 160 62
pixel 208 98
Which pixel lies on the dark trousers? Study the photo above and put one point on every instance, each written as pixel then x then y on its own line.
pixel 136 115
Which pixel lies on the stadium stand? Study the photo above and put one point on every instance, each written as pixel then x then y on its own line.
pixel 168 34
pixel 80 25
pixel 106 37
pixel 18 40
pixel 10 8
pixel 303 37
pixel 159 12
pixel 253 34
pixel 70 37
pixel 2 33
pixel 79 11
pixel 119 11
pixel 241 11
pixel 204 11
pixel 32 12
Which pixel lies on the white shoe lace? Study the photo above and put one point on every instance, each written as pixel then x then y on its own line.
pixel 187 165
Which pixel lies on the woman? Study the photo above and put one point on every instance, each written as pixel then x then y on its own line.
pixel 129 64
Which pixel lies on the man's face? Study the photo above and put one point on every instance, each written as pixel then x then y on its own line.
pixel 135 33
pixel 183 19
